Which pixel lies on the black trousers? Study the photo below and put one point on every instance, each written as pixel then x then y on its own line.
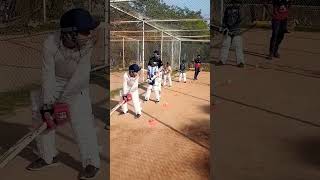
pixel 196 72
pixel 278 30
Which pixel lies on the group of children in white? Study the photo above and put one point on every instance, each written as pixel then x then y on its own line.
pixel 158 75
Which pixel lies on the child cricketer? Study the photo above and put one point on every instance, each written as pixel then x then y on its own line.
pixel 130 86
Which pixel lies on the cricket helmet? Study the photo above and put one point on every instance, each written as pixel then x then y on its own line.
pixel 134 68
pixel 78 20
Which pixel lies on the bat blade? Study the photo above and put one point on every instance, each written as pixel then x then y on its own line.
pixel 116 107
pixel 20 145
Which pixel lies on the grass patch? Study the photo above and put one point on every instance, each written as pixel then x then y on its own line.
pixel 11 100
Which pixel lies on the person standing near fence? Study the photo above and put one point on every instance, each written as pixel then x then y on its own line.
pixel 197 65
pixel 232 34
pixel 153 76
pixel 131 86
pixel 65 79
pixel 182 70
pixel 157 59
pixel 279 26
pixel 167 74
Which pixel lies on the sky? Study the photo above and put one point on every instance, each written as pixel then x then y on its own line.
pixel 196 5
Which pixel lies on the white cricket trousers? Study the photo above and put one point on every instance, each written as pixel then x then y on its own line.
pixel 83 126
pixel 165 78
pixel 184 76
pixel 135 101
pixel 160 83
pixel 236 41
pixel 155 88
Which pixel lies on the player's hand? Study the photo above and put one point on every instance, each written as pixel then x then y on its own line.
pixel 125 98
pixel 49 120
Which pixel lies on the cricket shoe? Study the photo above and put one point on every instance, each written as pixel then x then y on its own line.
pixel 269 57
pixel 41 164
pixel 138 116
pixel 90 172
pixel 124 113
pixel 240 65
pixel 276 55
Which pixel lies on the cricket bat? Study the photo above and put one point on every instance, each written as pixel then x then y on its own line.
pixel 116 107
pixel 20 145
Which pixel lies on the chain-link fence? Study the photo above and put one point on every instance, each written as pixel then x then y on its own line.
pixel 134 38
pixel 303 14
pixel 137 48
pixel 21 51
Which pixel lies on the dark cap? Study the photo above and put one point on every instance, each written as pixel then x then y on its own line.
pixel 156 51
pixel 78 20
pixel 134 68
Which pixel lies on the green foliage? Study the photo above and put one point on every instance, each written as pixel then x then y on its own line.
pixel 157 9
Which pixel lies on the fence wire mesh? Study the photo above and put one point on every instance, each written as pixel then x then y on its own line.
pixel 303 14
pixel 133 42
pixel 22 37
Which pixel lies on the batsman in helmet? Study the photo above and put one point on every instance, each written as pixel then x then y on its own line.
pixel 157 59
pixel 130 89
pixel 153 80
pixel 65 79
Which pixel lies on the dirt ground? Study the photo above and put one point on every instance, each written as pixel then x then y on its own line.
pixel 170 140
pixel 16 126
pixel 266 117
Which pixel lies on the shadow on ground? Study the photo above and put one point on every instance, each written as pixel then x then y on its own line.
pixel 308 149
pixel 113 103
pixel 200 129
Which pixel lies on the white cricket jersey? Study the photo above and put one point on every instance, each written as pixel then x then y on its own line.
pixel 130 83
pixel 152 71
pixel 64 69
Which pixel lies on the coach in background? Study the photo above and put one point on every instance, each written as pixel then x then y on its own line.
pixel 279 26
pixel 232 34
pixel 197 65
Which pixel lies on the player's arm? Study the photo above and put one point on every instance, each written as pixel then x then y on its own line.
pixel 239 17
pixel 125 84
pixel 48 72
pixel 149 72
pixel 225 18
